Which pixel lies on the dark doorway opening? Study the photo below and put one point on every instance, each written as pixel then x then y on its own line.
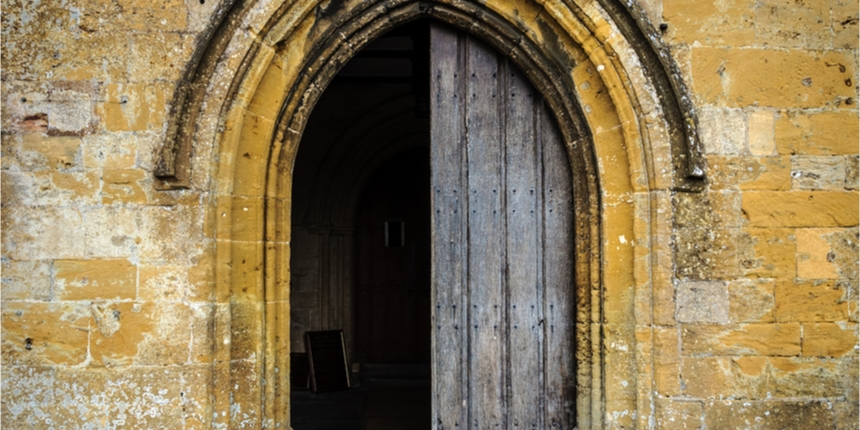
pixel 360 249
pixel 392 263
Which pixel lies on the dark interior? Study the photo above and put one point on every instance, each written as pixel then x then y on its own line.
pixel 381 208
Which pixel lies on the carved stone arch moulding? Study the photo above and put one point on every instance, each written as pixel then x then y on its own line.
pixel 174 165
pixel 619 103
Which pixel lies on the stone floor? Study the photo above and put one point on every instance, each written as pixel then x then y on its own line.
pixel 377 403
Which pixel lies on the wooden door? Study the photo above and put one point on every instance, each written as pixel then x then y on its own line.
pixel 503 291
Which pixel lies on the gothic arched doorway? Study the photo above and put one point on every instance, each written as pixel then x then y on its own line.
pixel 502 235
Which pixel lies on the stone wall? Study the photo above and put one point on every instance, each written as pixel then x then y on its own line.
pixel 109 310
pixel 764 329
pixel 106 292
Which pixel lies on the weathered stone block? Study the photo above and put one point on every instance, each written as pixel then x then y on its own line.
pixel 760 139
pixel 172 233
pixel 136 397
pixel 201 275
pixel 663 262
pixel 69 49
pixel 729 414
pixel 693 210
pixel 718 382
pixel 706 253
pixel 125 15
pixel 801 208
pixel 805 377
pixel 254 183
pixel 740 377
pixel 722 131
pixel 140 333
pixel 751 300
pixel 741 339
pixel 702 302
pixel 248 214
pixel 710 22
pixel 767 252
pixel 667 362
pixel 849 370
pixel 678 414
pixel 247 276
pixel 72 108
pixel 163 282
pixel 844 19
pixel 844 248
pixel 111 232
pixel 827 253
pixel 33 152
pixel 57 108
pixel 763 377
pixel 815 258
pixel 25 104
pixel 811 172
pixel 847 415
pixel 158 55
pixel 42 233
pixel 244 375
pixel 125 186
pixel 110 151
pixel 809 301
pixel 50 188
pixel 809 28
pixel 134 107
pixel 772 78
pixel 749 173
pixel 749 376
pixel 27 396
pixel 26 280
pixel 246 319
pixel 44 333
pixel 817 133
pixel 852 172
pixel 829 339
pixel 94 279
pixel 202 332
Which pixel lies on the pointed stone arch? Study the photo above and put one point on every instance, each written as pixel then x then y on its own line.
pixel 238 121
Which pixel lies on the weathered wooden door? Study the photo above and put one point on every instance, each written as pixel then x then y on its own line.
pixel 502 246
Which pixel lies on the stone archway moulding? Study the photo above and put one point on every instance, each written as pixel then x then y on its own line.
pixel 239 116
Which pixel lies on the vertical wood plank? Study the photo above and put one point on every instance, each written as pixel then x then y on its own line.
pixel 524 253
pixel 558 277
pixel 503 340
pixel 486 237
pixel 450 375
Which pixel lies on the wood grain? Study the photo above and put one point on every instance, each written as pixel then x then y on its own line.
pixel 504 250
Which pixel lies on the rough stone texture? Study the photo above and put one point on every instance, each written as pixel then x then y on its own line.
pixel 809 301
pixel 818 172
pixel 852 173
pixel 723 131
pixel 702 302
pixel 767 415
pixel 744 339
pixel 114 306
pixel 761 138
pixel 751 300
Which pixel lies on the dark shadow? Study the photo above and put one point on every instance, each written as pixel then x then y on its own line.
pixel 361 237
